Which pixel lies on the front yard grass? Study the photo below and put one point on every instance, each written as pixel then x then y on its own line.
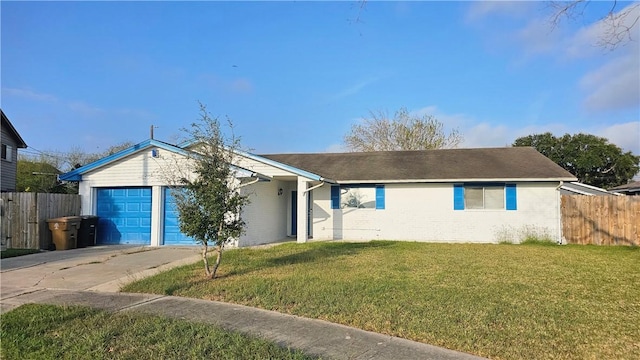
pixel 497 301
pixel 54 332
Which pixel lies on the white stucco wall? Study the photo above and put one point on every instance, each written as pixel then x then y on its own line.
pixel 413 212
pixel 139 169
pixel 424 212
pixel 266 214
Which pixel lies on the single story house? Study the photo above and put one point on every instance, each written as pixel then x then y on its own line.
pixel 482 195
pixel 578 188
pixel 631 188
pixel 10 141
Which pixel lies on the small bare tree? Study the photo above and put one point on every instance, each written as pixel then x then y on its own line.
pixel 207 196
pixel 617 24
pixel 403 132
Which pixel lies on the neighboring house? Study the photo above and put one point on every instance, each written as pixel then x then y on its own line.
pixel 632 188
pixel 578 188
pixel 11 142
pixel 458 195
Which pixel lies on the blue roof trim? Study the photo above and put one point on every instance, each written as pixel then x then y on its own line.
pixel 273 163
pixel 282 166
pixel 76 175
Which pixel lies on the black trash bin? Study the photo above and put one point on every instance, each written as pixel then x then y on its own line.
pixel 88 231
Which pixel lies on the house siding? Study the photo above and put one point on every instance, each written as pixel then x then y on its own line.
pixel 425 212
pixel 412 211
pixel 266 216
pixel 9 168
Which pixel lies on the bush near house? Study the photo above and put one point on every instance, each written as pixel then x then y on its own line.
pixel 497 301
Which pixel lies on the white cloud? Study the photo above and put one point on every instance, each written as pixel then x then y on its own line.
pixel 537 37
pixel 612 79
pixel 614 85
pixel 485 135
pixel 335 148
pixel 590 40
pixel 355 88
pixel 29 94
pixel 625 135
pixel 85 109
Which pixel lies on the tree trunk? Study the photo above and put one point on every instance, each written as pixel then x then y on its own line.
pixel 218 258
pixel 205 251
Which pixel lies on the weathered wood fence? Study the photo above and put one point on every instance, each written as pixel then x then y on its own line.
pixel 601 220
pixel 23 217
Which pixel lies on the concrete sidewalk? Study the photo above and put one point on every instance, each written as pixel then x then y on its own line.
pixel 313 337
pixel 92 278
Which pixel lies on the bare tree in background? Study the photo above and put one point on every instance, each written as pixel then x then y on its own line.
pixel 619 25
pixel 403 132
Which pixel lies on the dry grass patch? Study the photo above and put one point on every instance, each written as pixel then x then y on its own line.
pixel 498 301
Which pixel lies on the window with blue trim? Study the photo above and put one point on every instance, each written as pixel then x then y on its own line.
pixel 488 196
pixel 357 197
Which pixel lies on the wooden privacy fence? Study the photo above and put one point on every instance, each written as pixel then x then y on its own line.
pixel 601 220
pixel 23 217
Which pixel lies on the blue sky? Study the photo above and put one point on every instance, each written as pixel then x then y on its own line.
pixel 294 76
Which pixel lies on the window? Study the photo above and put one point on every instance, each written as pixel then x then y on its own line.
pixel 481 197
pixel 357 197
pixel 7 153
pixel 484 196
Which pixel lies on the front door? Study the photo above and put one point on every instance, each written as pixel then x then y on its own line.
pixel 294 213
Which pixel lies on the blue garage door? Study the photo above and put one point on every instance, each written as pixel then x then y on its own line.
pixel 172 234
pixel 124 215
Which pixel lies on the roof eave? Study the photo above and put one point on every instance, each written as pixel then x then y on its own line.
pixel 21 144
pixel 461 180
pixel 282 166
pixel 76 175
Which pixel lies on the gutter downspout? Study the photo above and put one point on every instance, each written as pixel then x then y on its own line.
pixel 313 187
pixel 249 183
pixel 559 212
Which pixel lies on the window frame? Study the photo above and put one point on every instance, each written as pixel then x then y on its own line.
pixel 7 153
pixel 461 192
pixel 338 190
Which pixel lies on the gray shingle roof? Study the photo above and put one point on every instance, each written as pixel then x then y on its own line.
pixel 630 187
pixel 508 163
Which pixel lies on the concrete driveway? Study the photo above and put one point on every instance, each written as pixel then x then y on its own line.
pixel 96 268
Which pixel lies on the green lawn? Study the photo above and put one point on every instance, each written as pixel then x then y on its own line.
pixel 52 332
pixel 498 301
pixel 16 252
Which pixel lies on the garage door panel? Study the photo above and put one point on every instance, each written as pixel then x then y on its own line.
pixel 125 215
pixel 172 234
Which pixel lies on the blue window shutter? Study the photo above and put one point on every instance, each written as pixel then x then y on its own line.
pixel 335 196
pixel 380 197
pixel 458 197
pixel 510 194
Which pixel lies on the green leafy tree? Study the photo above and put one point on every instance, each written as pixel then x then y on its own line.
pixel 592 159
pixel 38 176
pixel 404 131
pixel 208 196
